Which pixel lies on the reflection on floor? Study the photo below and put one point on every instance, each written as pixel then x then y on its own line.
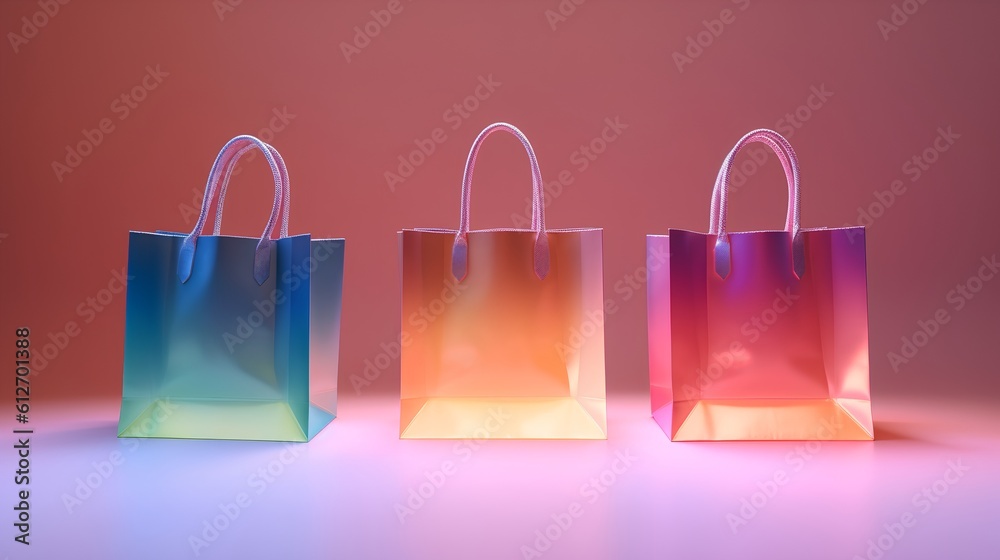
pixel 926 488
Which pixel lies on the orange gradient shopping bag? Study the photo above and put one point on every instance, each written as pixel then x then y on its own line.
pixel 502 329
pixel 760 335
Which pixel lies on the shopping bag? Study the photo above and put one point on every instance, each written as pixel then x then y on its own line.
pixel 759 335
pixel 232 337
pixel 502 329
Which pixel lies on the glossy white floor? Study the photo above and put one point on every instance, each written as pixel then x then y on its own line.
pixel 927 488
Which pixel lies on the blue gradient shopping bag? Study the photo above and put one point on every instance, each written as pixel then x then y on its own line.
pixel 232 337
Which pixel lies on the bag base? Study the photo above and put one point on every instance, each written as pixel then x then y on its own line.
pixel 503 418
pixel 217 419
pixel 766 419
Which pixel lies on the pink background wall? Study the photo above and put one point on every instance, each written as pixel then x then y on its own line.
pixel 347 122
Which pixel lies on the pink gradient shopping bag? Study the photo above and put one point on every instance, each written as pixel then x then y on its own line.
pixel 760 335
